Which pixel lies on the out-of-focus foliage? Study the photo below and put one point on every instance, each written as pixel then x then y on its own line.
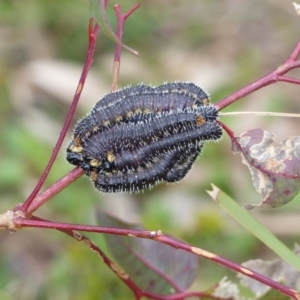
pixel 219 45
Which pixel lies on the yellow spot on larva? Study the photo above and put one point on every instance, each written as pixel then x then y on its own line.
pixel 118 119
pixel 140 170
pixel 200 120
pixel 95 163
pixel 106 123
pixel 149 165
pixel 138 111
pixel 95 128
pixel 155 160
pixel 75 149
pixel 129 114
pixel 110 156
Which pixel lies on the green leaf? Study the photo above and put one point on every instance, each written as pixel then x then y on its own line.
pixel 251 224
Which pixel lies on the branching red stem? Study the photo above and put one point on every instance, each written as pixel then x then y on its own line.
pixel 93 31
pixel 295 53
pixel 277 75
pixel 39 223
pixel 121 275
pixel 162 239
pixel 228 264
pixel 288 79
pixel 87 242
pixel 121 18
pixel 53 190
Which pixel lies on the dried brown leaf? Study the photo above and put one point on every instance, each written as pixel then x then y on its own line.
pixel 275 170
pixel 276 269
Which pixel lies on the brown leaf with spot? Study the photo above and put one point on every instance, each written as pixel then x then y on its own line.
pixel 275 170
pixel 276 269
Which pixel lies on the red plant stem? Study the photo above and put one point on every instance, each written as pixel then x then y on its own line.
pixel 19 222
pixel 86 241
pixel 228 131
pixel 250 88
pixel 276 75
pixel 53 190
pixel 295 53
pixel 123 276
pixel 231 265
pixel 289 79
pixel 121 18
pixel 236 146
pixel 184 295
pixel 93 31
pixel 105 3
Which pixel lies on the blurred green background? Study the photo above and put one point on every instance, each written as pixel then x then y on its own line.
pixel 220 46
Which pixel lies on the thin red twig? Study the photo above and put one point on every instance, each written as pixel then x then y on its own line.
pixel 289 79
pixel 123 276
pixel 231 265
pixel 87 242
pixel 39 223
pixel 93 31
pixel 273 77
pixel 295 53
pixel 53 190
pixel 121 18
pixel 162 239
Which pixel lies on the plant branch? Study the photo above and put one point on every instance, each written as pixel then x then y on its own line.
pixel 231 265
pixel 258 113
pixel 39 223
pixel 289 79
pixel 110 264
pixel 53 190
pixel 159 237
pixel 295 53
pixel 121 18
pixel 93 31
pixel 273 77
pixel 138 293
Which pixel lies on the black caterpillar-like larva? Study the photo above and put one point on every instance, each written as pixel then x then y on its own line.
pixel 142 135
